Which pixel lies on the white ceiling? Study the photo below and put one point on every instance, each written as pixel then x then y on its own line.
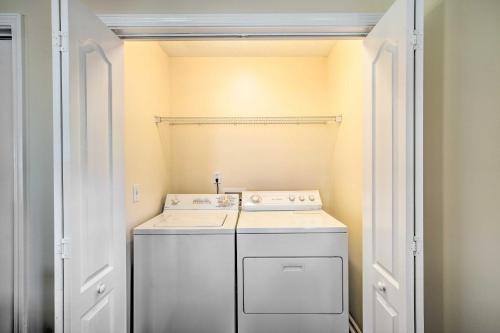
pixel 248 48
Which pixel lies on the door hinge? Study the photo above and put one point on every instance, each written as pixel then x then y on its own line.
pixel 64 248
pixel 417 40
pixel 417 246
pixel 60 41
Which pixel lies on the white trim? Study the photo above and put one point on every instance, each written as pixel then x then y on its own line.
pixel 419 167
pixel 14 21
pixel 241 25
pixel 57 167
pixel 353 325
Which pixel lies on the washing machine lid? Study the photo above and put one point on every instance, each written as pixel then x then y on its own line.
pixel 189 220
pixel 185 222
pixel 316 221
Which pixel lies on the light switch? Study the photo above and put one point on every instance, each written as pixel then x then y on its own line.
pixel 136 193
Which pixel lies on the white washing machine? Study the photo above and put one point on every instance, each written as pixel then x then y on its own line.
pixel 291 265
pixel 184 274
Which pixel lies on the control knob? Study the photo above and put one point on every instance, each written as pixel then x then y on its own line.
pixel 255 198
pixel 301 198
pixel 224 201
pixel 311 198
pixel 291 197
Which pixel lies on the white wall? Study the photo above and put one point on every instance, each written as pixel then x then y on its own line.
pixel 6 189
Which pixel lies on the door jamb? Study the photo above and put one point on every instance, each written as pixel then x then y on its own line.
pixel 15 23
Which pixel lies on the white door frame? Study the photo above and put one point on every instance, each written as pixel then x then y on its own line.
pixel 57 168
pixel 317 25
pixel 13 22
pixel 312 25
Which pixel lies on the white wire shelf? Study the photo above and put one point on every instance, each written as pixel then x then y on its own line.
pixel 248 120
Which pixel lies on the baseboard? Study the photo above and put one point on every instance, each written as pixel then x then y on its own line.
pixel 353 326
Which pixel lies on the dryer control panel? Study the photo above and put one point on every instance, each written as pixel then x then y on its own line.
pixel 201 201
pixel 281 200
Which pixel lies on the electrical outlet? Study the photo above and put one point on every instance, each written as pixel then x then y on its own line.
pixel 136 193
pixel 217 178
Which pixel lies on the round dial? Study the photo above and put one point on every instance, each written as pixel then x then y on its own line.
pixel 311 197
pixel 291 197
pixel 301 198
pixel 255 198
pixel 224 201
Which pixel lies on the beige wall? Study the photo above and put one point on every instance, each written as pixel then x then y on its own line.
pixel 346 84
pixel 252 157
pixel 248 86
pixel 236 6
pixel 146 156
pixel 433 166
pixel 146 144
pixel 38 160
pixel 462 168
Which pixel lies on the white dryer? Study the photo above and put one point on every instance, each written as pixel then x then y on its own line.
pixel 291 265
pixel 184 275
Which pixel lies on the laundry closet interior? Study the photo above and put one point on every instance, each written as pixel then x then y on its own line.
pixel 266 114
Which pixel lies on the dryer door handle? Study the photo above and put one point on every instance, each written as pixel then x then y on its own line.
pixel 293 268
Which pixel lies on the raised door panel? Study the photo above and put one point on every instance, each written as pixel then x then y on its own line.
pixel 96 165
pixel 385 169
pixel 99 318
pixel 386 189
pixel 385 315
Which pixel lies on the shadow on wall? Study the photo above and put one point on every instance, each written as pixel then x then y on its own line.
pixel 433 166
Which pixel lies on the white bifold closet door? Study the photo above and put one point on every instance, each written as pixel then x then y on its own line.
pixel 93 243
pixel 389 177
pixel 6 189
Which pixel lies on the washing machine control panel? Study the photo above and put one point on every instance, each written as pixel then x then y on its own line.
pixel 201 201
pixel 281 200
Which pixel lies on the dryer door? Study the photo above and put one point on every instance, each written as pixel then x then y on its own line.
pixel 292 285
